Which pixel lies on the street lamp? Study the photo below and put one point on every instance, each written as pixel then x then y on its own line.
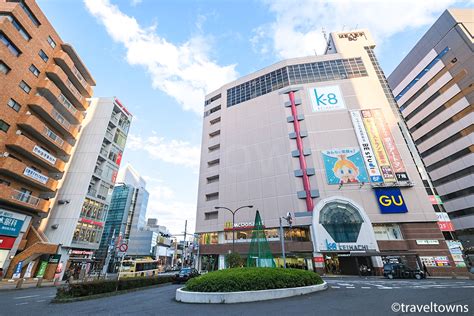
pixel 233 220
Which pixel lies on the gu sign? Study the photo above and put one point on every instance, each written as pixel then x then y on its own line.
pixel 327 98
pixel 390 200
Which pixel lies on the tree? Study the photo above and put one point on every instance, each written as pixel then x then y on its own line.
pixel 234 260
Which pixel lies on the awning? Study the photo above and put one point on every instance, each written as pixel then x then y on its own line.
pixel 380 253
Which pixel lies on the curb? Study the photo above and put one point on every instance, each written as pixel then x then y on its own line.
pixel 245 296
pixel 101 295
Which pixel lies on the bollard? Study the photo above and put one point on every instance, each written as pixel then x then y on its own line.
pixel 40 281
pixel 19 284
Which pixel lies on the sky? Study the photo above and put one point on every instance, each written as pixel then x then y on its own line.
pixel 161 57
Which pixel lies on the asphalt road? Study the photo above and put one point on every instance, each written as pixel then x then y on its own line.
pixel 345 296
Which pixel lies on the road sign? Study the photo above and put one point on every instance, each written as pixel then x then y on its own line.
pixel 123 247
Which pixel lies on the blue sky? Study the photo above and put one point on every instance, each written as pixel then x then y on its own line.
pixel 161 57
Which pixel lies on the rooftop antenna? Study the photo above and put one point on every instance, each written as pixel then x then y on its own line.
pixel 326 39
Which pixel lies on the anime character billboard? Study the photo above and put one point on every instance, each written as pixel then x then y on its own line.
pixel 344 166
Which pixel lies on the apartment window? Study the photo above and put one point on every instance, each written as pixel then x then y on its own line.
pixel 9 44
pixel 211 215
pixel 51 42
pixel 214 148
pixel 35 71
pixel 215 121
pixel 29 13
pixel 25 87
pixel 212 163
pixel 19 28
pixel 214 98
pixel 215 133
pixel 4 69
pixel 14 105
pixel 212 179
pixel 5 182
pixel 4 126
pixel 212 196
pixel 43 56
pixel 214 109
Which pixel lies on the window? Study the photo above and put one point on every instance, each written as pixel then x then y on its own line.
pixel 11 47
pixel 29 13
pixel 4 126
pixel 388 232
pixel 213 163
pixel 211 215
pixel 214 98
pixel 212 179
pixel 4 69
pixel 215 133
pixel 51 42
pixel 14 105
pixel 215 121
pixel 214 148
pixel 34 70
pixel 43 56
pixel 5 182
pixel 212 196
pixel 20 28
pixel 25 87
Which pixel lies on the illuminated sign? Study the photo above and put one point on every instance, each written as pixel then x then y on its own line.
pixel 390 200
pixel 11 223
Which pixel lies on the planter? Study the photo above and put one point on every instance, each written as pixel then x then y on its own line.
pixel 246 296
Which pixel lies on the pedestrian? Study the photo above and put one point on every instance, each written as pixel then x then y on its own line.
pixel 425 270
pixel 1 274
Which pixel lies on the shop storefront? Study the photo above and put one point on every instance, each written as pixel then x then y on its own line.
pixel 80 263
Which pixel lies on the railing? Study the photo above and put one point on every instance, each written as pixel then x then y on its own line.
pixel 67 104
pixel 74 90
pixel 92 192
pixel 104 152
pixel 58 140
pixel 61 119
pixel 98 171
pixel 79 76
pixel 25 198
pixel 109 135
pixel 114 119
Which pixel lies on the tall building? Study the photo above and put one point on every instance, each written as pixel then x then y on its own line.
pixel 43 89
pixel 433 87
pixel 78 215
pixel 126 217
pixel 317 137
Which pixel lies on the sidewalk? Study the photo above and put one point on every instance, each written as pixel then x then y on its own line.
pixel 383 278
pixel 27 284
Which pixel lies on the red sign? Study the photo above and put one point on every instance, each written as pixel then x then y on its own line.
pixel 123 247
pixel 119 158
pixel 318 259
pixel 114 176
pixel 6 242
pixel 446 226
pixel 89 221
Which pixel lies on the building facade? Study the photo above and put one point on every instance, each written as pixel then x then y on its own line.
pixel 317 137
pixel 126 216
pixel 79 213
pixel 433 87
pixel 44 86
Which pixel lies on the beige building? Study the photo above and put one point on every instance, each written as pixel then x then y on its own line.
pixel 43 90
pixel 433 86
pixel 317 137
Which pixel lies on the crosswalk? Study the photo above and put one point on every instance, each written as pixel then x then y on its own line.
pixel 399 284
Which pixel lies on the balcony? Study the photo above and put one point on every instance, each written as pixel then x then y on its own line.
pixel 38 129
pixel 46 110
pixel 53 94
pixel 67 87
pixel 22 172
pixel 22 200
pixel 30 149
pixel 66 63
pixel 98 172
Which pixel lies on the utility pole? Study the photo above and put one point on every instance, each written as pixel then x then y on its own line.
pixel 184 244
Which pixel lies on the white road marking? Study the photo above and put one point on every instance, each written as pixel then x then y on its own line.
pixel 25 303
pixel 385 288
pixel 40 301
pixel 365 287
pixel 52 296
pixel 22 297
pixel 335 287
pixel 468 286
pixel 350 287
pixel 345 284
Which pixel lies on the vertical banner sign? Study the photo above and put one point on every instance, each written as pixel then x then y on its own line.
pixel 42 269
pixel 29 269
pixel 17 272
pixel 377 146
pixel 390 147
pixel 366 148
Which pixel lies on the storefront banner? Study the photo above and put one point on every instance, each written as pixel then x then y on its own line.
pixel 444 222
pixel 441 261
pixel 344 166
pixel 17 272
pixel 428 261
pixel 41 269
pixel 7 242
pixel 327 98
pixel 390 200
pixel 389 144
pixel 11 223
pixel 366 148
pixel 377 145
pixel 29 269
pixel 53 259
pixel 435 199
pixel 455 247
pixel 44 154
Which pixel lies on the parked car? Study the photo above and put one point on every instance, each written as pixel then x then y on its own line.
pixel 185 274
pixel 401 271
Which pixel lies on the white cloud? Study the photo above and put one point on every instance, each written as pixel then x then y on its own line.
pixel 297 28
pixel 134 3
pixel 171 212
pixel 172 151
pixel 184 71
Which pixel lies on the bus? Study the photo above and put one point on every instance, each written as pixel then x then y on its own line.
pixel 140 267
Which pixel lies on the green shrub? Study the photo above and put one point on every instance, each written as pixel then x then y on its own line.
pixel 234 260
pixel 252 279
pixel 106 286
